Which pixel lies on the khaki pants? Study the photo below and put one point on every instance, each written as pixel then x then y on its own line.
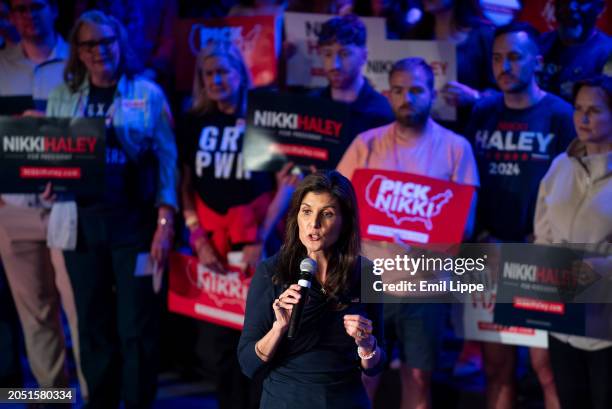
pixel 39 281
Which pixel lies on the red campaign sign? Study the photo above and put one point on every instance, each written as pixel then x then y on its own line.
pixel 198 292
pixel 417 209
pixel 541 14
pixel 256 37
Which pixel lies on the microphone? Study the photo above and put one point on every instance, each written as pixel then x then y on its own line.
pixel 308 268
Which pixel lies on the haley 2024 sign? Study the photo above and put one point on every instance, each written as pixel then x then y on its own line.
pixel 198 292
pixel 70 153
pixel 414 208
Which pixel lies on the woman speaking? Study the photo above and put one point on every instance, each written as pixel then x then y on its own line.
pixel 339 337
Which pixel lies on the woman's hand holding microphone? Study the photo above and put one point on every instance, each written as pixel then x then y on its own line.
pixel 283 305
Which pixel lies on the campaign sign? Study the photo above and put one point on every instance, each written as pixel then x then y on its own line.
pixel 304 130
pixel 416 209
pixel 69 152
pixel 255 36
pixel 197 292
pixel 541 287
pixel 440 55
pixel 304 64
pixel 478 319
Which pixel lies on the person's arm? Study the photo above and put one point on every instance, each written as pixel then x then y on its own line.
pixel 363 331
pixel 372 367
pixel 165 148
pixel 167 201
pixel 266 347
pixel 353 158
pixel 198 239
pixel 265 323
pixel 541 223
pixel 286 183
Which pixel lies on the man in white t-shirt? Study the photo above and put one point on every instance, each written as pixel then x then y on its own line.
pixel 414 143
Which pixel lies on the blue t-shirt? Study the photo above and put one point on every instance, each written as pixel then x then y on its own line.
pixel 563 65
pixel 514 149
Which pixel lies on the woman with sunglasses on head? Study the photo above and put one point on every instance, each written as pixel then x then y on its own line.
pixel 129 224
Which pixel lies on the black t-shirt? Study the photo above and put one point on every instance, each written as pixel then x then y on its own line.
pixel 370 110
pixel 100 105
pixel 211 146
pixel 514 149
pixel 563 66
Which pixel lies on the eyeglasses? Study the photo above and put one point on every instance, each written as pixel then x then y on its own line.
pixel 24 9
pixel 90 45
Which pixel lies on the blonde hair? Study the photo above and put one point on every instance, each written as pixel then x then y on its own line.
pixel 75 71
pixel 201 103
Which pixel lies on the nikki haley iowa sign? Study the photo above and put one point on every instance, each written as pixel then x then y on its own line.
pixel 70 153
pixel 414 208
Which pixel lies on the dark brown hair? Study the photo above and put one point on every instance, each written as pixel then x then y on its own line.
pixel 412 64
pixel 601 81
pixel 346 30
pixel 344 255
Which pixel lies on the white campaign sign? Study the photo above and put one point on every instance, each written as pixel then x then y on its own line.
pixel 477 322
pixel 304 66
pixel 440 55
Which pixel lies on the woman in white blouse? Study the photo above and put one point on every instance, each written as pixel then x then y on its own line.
pixel 575 206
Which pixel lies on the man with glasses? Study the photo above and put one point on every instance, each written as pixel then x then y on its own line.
pixel 36 275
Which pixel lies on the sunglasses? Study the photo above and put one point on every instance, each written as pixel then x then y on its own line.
pixel 89 45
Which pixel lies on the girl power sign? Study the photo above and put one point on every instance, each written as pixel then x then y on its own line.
pixel 413 208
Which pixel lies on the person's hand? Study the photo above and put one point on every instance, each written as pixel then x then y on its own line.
pixel 47 196
pixel 457 94
pixel 33 113
pixel 161 244
pixel 251 255
pixel 283 305
pixel 360 328
pixel 207 256
pixel 285 178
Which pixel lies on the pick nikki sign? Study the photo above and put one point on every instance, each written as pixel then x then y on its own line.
pixel 197 292
pixel 413 208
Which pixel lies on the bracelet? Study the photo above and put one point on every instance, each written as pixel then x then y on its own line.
pixel 164 222
pixel 192 222
pixel 367 355
pixel 195 236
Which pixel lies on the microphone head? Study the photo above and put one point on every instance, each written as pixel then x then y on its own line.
pixel 308 265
